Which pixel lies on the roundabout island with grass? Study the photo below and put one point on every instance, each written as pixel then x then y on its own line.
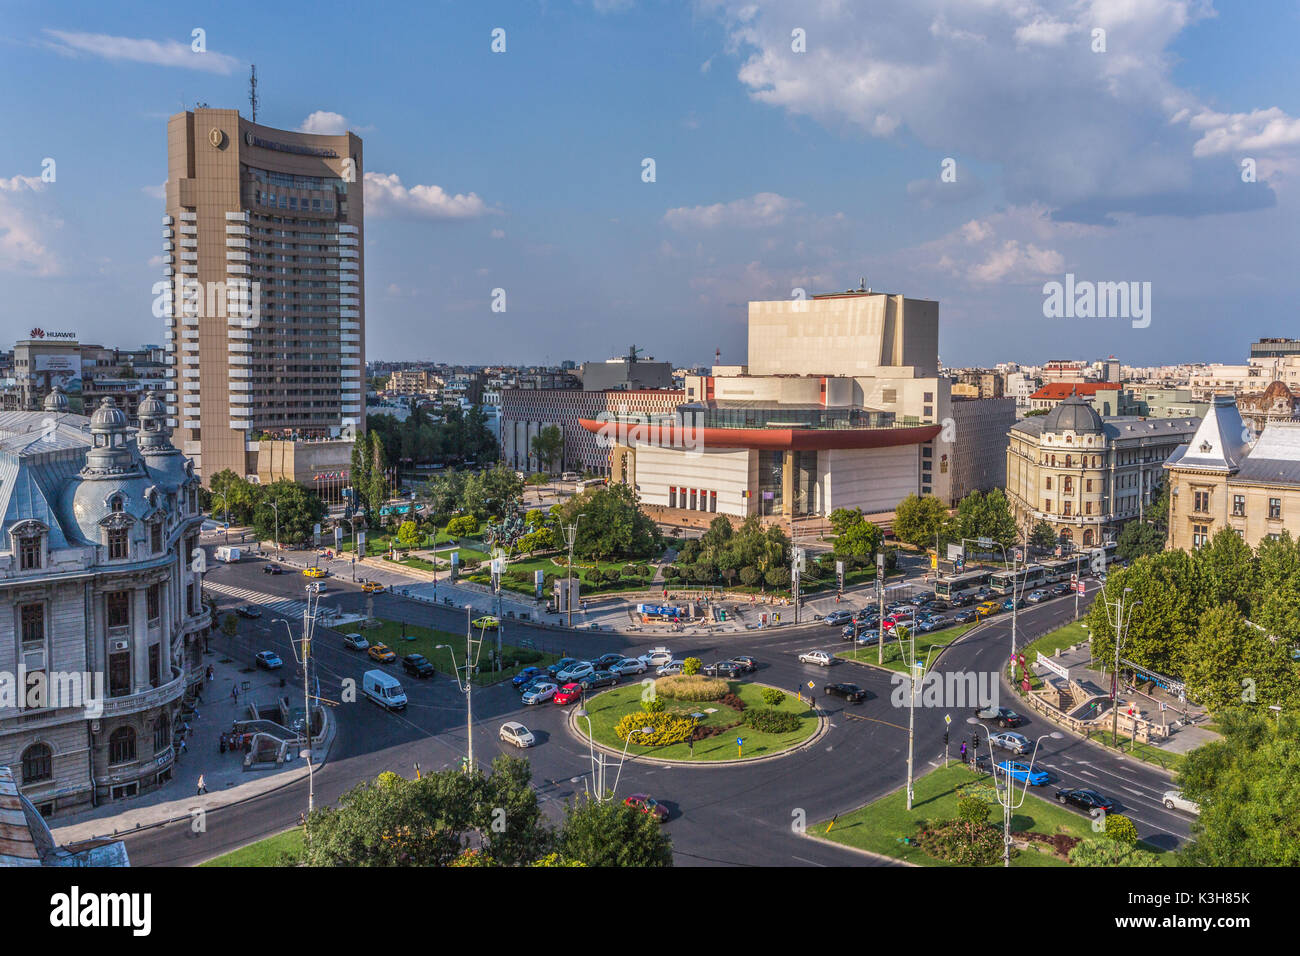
pixel 696 720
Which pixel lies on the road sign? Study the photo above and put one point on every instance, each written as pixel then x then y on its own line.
pixel 740 741
pixel 1074 578
pixel 947 719
pixel 1081 587
pixel 984 542
pixel 1020 555
pixel 811 685
pixel 955 552
pixel 934 561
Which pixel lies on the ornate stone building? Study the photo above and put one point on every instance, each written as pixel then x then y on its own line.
pixel 101 612
pixel 1085 475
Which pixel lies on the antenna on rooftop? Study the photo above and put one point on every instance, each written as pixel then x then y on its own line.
pixel 862 284
pixel 252 89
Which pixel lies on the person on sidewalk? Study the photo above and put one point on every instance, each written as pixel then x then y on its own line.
pixel 203 786
pixel 234 693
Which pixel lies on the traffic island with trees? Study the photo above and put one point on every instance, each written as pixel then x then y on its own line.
pixel 768 720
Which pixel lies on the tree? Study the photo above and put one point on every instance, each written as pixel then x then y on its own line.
pixel 463 526
pixel 547 445
pixel 916 519
pixel 229 625
pixel 1100 851
pixel 860 540
pixel 985 516
pixel 1245 786
pixel 360 473
pixel 408 535
pixel 233 494
pixel 300 510
pixel 1043 537
pixel 842 519
pixel 612 524
pixel 610 833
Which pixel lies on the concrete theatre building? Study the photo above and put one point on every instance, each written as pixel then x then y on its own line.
pixel 839 405
pixel 99 603
pixel 1085 475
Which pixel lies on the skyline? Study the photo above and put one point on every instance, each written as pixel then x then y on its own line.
pixel 527 176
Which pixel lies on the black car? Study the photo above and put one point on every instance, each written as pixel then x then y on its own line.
pixel 600 678
pixel 724 669
pixel 418 665
pixel 1005 716
pixel 272 569
pixel 850 692
pixel 964 617
pixel 562 664
pixel 745 662
pixel 605 661
pixel 1084 799
pixel 1065 587
pixel 962 600
pixel 248 611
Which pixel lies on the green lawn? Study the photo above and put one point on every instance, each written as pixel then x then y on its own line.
pixel 893 657
pixel 424 640
pixel 1049 644
pixel 608 708
pixel 881 826
pixel 262 853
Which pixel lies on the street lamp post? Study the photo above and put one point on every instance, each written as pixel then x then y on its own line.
pixel 275 506
pixel 308 626
pixel 1006 792
pixel 570 534
pixel 1123 614
pixel 466 687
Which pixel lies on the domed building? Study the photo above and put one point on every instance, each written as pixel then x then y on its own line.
pixel 101 613
pixel 1086 475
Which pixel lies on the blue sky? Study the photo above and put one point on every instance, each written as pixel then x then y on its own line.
pixel 775 170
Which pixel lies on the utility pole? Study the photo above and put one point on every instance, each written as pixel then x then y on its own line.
pixel 308 625
pixel 570 534
pixel 880 592
pixel 252 90
pixel 1123 612
pixel 469 690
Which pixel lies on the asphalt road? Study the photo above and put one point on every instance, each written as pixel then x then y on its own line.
pixel 744 816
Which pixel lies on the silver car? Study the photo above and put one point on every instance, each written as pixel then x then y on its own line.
pixel 671 668
pixel 628 665
pixel 1016 743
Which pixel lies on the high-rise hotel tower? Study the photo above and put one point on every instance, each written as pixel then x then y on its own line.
pixel 263 247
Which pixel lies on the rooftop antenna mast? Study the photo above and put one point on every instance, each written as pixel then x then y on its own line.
pixel 252 89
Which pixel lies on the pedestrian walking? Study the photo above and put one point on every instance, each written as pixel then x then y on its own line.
pixel 211 673
pixel 234 693
pixel 203 786
pixel 963 751
pixel 184 746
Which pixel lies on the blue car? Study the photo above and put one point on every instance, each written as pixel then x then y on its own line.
pixel 524 676
pixel 1008 604
pixel 1020 772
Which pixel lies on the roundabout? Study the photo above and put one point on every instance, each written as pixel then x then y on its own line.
pixel 766 730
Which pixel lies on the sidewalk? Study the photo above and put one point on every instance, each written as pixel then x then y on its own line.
pixel 227 780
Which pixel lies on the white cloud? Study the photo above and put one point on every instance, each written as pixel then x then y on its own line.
pixel 1015 86
pixel 497 234
pixel 324 123
pixel 155 192
pixel 136 50
pixel 22 246
pixel 761 209
pixel 1268 129
pixel 387 197
pixel 16 184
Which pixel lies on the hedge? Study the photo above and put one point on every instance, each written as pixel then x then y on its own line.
pixel 771 721
pixel 695 688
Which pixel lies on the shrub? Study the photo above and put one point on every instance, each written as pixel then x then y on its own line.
pixel 1121 829
pixel 643 570
pixel 613 575
pixel 773 697
pixel 1100 851
pixel 464 525
pixel 965 844
pixel 668 728
pixel 732 701
pixel 972 810
pixel 770 721
pixel 695 687
pixel 691 666
pixel 749 575
pixel 654 705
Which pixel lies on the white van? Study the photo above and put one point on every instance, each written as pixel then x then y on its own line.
pixel 227 554
pixel 384 689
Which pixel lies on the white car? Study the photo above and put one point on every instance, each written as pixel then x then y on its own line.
pixel 671 668
pixel 1174 800
pixel 628 665
pixel 657 657
pixel 355 642
pixel 539 694
pixel 816 657
pixel 513 732
pixel 575 672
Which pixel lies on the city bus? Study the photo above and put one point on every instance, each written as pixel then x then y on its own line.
pixel 1060 569
pixel 961 585
pixel 1024 579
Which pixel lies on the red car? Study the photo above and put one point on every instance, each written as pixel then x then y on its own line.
pixel 568 694
pixel 648 805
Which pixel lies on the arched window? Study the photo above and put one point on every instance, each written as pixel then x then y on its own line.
pixel 1087 537
pixel 121 745
pixel 38 763
pixel 162 733
pixel 115 503
pixel 1067 536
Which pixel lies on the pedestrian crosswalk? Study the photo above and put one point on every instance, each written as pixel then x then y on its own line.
pixel 271 602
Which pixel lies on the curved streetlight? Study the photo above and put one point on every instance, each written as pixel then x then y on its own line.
pixel 1006 792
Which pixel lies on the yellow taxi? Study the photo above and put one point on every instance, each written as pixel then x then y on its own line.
pixel 490 623
pixel 372 587
pixel 987 608
pixel 314 572
pixel 382 653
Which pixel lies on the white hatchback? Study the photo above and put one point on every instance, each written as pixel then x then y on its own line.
pixel 513 732
pixel 539 694
pixel 1174 800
